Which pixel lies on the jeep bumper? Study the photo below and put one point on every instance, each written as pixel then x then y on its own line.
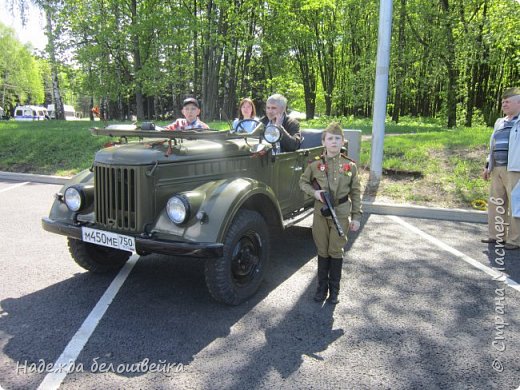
pixel 145 244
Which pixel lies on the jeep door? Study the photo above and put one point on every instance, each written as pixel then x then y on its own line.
pixel 287 169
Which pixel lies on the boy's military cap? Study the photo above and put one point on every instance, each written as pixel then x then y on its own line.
pixel 333 128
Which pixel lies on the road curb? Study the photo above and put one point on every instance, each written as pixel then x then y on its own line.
pixel 457 215
pixel 33 178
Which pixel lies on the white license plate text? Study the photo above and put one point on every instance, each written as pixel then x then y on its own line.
pixel 108 239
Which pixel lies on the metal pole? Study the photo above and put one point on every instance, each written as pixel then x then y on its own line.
pixel 381 90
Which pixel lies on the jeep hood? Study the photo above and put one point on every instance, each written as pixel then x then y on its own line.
pixel 154 151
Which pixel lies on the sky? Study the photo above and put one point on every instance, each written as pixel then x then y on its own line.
pixel 32 32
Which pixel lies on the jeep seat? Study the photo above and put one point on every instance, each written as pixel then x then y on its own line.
pixel 311 138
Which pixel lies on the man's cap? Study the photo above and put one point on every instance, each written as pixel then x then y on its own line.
pixel 511 92
pixel 190 101
pixel 334 128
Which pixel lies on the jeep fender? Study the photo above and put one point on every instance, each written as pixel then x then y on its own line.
pixel 221 201
pixel 59 211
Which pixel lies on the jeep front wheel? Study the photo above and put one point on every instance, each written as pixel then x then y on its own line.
pixel 96 258
pixel 237 275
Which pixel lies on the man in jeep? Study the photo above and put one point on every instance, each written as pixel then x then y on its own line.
pixel 275 108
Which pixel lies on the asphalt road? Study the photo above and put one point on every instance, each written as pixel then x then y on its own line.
pixel 420 308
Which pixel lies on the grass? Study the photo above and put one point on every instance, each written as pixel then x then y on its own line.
pixel 424 162
pixel 48 147
pixel 406 126
pixel 436 167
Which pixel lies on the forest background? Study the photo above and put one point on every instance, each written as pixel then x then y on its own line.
pixel 450 59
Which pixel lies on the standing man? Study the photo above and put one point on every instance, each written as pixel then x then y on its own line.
pixel 503 168
pixel 275 114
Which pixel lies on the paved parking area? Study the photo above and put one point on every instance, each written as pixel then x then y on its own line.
pixel 423 305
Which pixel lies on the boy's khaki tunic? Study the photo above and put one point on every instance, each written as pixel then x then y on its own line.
pixel 342 181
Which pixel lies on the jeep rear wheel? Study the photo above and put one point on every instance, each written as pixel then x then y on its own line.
pixel 237 275
pixel 96 258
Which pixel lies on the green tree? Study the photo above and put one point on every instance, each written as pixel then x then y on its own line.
pixel 50 9
pixel 20 74
pixel 450 58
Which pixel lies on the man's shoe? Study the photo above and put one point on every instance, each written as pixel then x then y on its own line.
pixel 333 298
pixel 511 247
pixel 489 241
pixel 321 294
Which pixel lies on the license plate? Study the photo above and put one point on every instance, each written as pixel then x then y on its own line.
pixel 108 239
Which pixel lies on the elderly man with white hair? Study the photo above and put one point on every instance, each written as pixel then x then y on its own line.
pixel 275 110
pixel 503 168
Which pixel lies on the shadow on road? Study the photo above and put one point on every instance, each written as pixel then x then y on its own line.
pixel 505 261
pixel 403 322
pixel 163 312
pixel 36 327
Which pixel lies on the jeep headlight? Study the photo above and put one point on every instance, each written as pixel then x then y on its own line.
pixel 74 198
pixel 178 209
pixel 272 134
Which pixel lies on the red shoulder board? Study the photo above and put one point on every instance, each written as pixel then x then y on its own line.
pixel 347 157
pixel 316 158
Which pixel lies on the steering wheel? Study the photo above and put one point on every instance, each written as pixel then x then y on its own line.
pixel 247 126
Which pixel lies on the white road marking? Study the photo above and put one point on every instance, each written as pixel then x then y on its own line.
pixel 68 357
pixel 497 275
pixel 14 186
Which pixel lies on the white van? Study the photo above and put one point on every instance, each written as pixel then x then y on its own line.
pixel 30 113
pixel 70 112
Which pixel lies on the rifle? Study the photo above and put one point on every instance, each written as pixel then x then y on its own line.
pixel 328 209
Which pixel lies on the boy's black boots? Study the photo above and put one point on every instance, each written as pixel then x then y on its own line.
pixel 323 279
pixel 334 278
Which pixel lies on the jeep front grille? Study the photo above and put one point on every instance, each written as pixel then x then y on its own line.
pixel 116 197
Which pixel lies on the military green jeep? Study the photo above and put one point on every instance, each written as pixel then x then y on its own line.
pixel 218 195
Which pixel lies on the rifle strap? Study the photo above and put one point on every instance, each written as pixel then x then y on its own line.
pixel 340 200
pixel 327 174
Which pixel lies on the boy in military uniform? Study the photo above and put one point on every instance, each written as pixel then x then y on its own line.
pixel 336 174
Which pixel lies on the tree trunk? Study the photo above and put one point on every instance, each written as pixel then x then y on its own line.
pixel 452 96
pixel 399 79
pixel 104 115
pixel 230 82
pixel 139 102
pixel 449 60
pixel 197 81
pixel 245 87
pixel 324 27
pixel 470 102
pixel 91 113
pixel 308 77
pixel 51 49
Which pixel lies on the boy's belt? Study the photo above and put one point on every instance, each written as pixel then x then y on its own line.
pixel 342 200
